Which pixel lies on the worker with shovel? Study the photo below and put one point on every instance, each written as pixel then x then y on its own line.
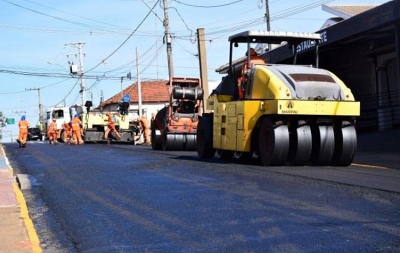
pixel 144 125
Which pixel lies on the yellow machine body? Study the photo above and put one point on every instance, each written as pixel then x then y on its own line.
pixel 268 94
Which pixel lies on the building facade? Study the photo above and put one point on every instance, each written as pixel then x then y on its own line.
pixel 364 51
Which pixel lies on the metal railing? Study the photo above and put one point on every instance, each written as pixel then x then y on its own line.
pixel 379 112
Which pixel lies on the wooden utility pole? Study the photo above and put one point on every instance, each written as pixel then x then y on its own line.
pixel 267 19
pixel 41 116
pixel 168 40
pixel 139 85
pixel 203 66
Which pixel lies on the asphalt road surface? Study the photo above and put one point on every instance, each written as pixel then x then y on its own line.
pixel 122 198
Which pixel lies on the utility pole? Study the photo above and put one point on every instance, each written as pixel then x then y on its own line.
pixel 168 40
pixel 139 85
pixel 79 45
pixel 267 19
pixel 203 66
pixel 41 116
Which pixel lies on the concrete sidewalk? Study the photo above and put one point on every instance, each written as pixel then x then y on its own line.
pixel 17 233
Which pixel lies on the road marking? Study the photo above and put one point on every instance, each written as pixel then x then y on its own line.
pixel 371 166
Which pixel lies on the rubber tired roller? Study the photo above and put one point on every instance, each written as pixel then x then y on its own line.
pixel 175 126
pixel 280 114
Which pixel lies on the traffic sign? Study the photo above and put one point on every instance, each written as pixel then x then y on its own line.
pixel 10 121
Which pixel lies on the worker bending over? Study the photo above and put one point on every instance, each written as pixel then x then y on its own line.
pixel 76 131
pixel 144 125
pixel 52 132
pixel 67 131
pixel 111 127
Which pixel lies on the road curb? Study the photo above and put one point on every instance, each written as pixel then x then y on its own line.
pixel 33 237
pixel 24 213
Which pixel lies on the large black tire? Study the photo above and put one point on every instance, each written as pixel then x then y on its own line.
pixel 166 142
pixel 190 142
pixel 204 137
pixel 345 145
pixel 156 140
pixel 323 144
pixel 300 145
pixel 273 143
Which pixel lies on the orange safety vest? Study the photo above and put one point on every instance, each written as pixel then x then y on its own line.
pixel 23 125
pixel 76 124
pixel 52 127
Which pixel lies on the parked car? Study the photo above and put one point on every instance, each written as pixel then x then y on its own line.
pixel 34 133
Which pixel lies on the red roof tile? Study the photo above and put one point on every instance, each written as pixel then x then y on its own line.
pixel 156 91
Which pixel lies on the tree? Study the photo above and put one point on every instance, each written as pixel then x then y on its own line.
pixel 2 124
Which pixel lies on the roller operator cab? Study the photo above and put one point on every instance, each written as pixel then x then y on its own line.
pixel 175 126
pixel 280 114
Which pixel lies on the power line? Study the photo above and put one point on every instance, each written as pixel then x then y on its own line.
pixel 208 6
pixel 54 17
pixel 123 43
pixel 97 21
pixel 51 75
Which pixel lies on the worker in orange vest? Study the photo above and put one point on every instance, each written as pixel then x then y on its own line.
pixel 52 132
pixel 23 125
pixel 76 124
pixel 67 131
pixel 242 80
pixel 111 127
pixel 144 125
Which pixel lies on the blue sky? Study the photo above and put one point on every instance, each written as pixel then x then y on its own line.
pixel 36 34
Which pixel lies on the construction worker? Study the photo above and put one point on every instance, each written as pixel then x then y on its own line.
pixel 76 125
pixel 144 125
pixel 111 127
pixel 67 131
pixel 23 125
pixel 242 80
pixel 52 132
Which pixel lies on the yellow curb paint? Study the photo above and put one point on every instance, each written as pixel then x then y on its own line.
pixel 27 220
pixel 33 237
pixel 370 166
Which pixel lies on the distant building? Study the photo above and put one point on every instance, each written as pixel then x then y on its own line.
pixel 155 94
pixel 343 12
pixel 361 45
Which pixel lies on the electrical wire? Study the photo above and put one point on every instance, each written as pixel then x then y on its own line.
pixel 208 6
pixel 54 17
pixel 74 15
pixel 123 43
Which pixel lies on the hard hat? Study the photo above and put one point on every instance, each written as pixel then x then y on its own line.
pixel 23 117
